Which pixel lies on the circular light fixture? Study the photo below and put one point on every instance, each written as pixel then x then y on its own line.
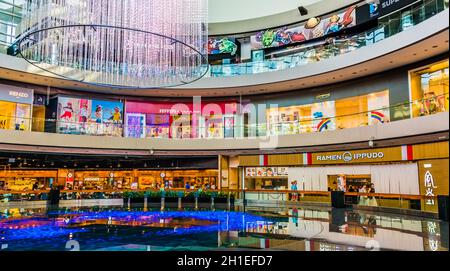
pixel 124 44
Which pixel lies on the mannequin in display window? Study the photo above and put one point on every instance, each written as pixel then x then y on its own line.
pixel 429 104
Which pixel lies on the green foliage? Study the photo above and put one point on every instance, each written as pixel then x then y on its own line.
pixel 153 194
pixel 133 195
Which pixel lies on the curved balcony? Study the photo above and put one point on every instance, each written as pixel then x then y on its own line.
pixel 325 49
pixel 425 36
pixel 251 138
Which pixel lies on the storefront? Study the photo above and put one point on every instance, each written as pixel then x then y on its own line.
pixel 85 116
pixel 180 120
pixel 102 180
pixel 344 113
pixel 172 179
pixel 429 89
pixel 15 108
pixel 269 178
pixel 138 179
pixel 404 170
pixel 26 180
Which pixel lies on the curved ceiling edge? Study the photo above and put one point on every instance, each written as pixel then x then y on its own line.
pixel 287 17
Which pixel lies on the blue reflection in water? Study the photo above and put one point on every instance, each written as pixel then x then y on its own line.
pixel 63 223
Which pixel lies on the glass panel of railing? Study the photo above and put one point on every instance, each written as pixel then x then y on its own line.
pixel 388 26
pixel 429 105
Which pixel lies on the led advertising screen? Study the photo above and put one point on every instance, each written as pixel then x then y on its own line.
pixel 314 28
pixel 91 117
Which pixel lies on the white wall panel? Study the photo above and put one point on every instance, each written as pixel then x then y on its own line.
pixel 389 179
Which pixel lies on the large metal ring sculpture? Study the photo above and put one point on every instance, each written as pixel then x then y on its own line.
pixel 64 38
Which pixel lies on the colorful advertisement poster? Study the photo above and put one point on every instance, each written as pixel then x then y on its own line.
pixel 314 28
pixel 135 126
pixel 91 117
pixel 266 171
pixel 222 46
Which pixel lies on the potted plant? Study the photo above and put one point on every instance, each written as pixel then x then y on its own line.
pixel 220 197
pixel 204 197
pixel 172 196
pixel 153 196
pixel 189 197
pixel 135 198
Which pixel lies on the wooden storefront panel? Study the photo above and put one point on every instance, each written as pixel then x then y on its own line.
pixel 434 181
pixel 431 150
pixel 358 156
pixel 248 160
pixel 285 159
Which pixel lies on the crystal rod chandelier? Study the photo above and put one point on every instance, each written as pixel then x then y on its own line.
pixel 117 43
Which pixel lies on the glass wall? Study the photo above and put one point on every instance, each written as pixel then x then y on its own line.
pixel 429 89
pixel 10 17
pixel 303 54
pixel 345 113
pixel 15 108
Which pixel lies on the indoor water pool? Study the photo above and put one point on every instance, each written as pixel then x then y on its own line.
pixel 295 229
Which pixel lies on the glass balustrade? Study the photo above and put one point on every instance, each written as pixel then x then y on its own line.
pixel 309 123
pixel 305 54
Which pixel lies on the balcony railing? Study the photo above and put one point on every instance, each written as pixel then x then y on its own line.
pixel 308 53
pixel 217 130
pixel 311 53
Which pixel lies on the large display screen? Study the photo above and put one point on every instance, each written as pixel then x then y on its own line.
pixel 222 46
pixel 314 28
pixel 92 117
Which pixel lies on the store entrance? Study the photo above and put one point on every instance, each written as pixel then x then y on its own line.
pixel 350 183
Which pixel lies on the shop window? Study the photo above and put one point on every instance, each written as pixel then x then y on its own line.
pixel 429 89
pixel 178 179
pixel 330 115
pixel 181 126
pixel 158 125
pixel 15 116
pixel 351 112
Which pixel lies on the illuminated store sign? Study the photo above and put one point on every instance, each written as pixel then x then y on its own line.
pixel 349 157
pixel 389 6
pixel 15 94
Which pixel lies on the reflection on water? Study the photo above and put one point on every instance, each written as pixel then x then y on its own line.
pixel 298 229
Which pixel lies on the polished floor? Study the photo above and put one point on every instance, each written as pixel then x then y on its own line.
pixel 256 228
